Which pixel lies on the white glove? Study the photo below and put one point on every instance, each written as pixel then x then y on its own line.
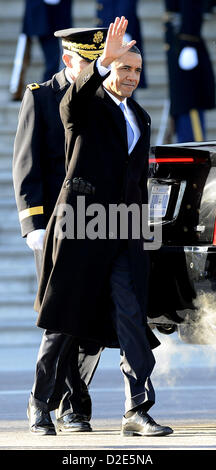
pixel 35 239
pixel 52 2
pixel 188 58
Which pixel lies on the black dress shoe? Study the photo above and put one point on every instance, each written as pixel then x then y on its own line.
pixel 40 421
pixel 141 424
pixel 73 422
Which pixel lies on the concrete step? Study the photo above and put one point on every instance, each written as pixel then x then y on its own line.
pixel 17 317
pixel 5 161
pixel 21 285
pixel 9 113
pixel 13 240
pixel 16 298
pixel 18 263
pixel 7 194
pixel 13 256
pixel 23 271
pixel 20 335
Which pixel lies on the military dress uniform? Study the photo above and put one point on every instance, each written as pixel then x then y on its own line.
pixel 38 174
pixel 107 10
pixel 191 91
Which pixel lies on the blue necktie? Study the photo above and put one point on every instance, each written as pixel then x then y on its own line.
pixel 130 132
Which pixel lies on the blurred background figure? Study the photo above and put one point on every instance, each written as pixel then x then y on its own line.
pixel 190 72
pixel 107 10
pixel 41 18
pixel 209 5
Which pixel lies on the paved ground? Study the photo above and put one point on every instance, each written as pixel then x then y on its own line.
pixel 194 435
pixel 185 384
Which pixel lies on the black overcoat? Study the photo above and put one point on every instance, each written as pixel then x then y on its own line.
pixel 189 89
pixel 73 296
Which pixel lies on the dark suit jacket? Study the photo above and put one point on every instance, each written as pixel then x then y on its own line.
pixel 39 152
pixel 41 19
pixel 73 295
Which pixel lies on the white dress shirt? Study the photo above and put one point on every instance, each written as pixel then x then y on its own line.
pixel 67 75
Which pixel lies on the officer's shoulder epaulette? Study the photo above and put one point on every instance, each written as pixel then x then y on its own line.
pixel 33 86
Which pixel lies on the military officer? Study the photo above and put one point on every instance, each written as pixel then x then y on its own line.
pixel 107 10
pixel 38 173
pixel 191 77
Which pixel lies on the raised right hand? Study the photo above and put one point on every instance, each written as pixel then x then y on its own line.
pixel 114 46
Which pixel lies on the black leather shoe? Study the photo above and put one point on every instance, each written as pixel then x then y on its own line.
pixel 73 422
pixel 40 421
pixel 141 424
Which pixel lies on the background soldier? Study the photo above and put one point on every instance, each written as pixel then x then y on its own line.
pixel 38 172
pixel 41 18
pixel 191 77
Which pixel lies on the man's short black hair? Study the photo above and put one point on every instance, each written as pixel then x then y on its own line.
pixel 134 49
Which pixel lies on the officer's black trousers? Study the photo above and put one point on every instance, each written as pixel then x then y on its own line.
pixel 64 369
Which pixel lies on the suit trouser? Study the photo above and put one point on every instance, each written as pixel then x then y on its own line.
pixel 137 359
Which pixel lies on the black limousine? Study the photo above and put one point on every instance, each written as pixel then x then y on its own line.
pixel 182 198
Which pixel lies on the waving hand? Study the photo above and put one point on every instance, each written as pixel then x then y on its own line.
pixel 114 47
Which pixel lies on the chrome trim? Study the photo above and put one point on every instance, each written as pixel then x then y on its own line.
pixel 179 200
pixel 182 186
pixel 197 249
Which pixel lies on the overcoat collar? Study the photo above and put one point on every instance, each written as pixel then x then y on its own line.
pixel 118 116
pixel 59 84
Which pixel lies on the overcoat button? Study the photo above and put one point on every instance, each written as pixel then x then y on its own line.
pixel 67 184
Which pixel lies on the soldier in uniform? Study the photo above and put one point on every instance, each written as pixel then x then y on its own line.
pixel 209 5
pixel 41 18
pixel 107 10
pixel 191 77
pixel 38 173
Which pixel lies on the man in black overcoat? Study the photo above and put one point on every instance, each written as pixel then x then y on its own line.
pixel 96 287
pixel 38 174
pixel 190 71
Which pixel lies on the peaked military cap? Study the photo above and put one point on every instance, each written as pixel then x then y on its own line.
pixel 86 42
